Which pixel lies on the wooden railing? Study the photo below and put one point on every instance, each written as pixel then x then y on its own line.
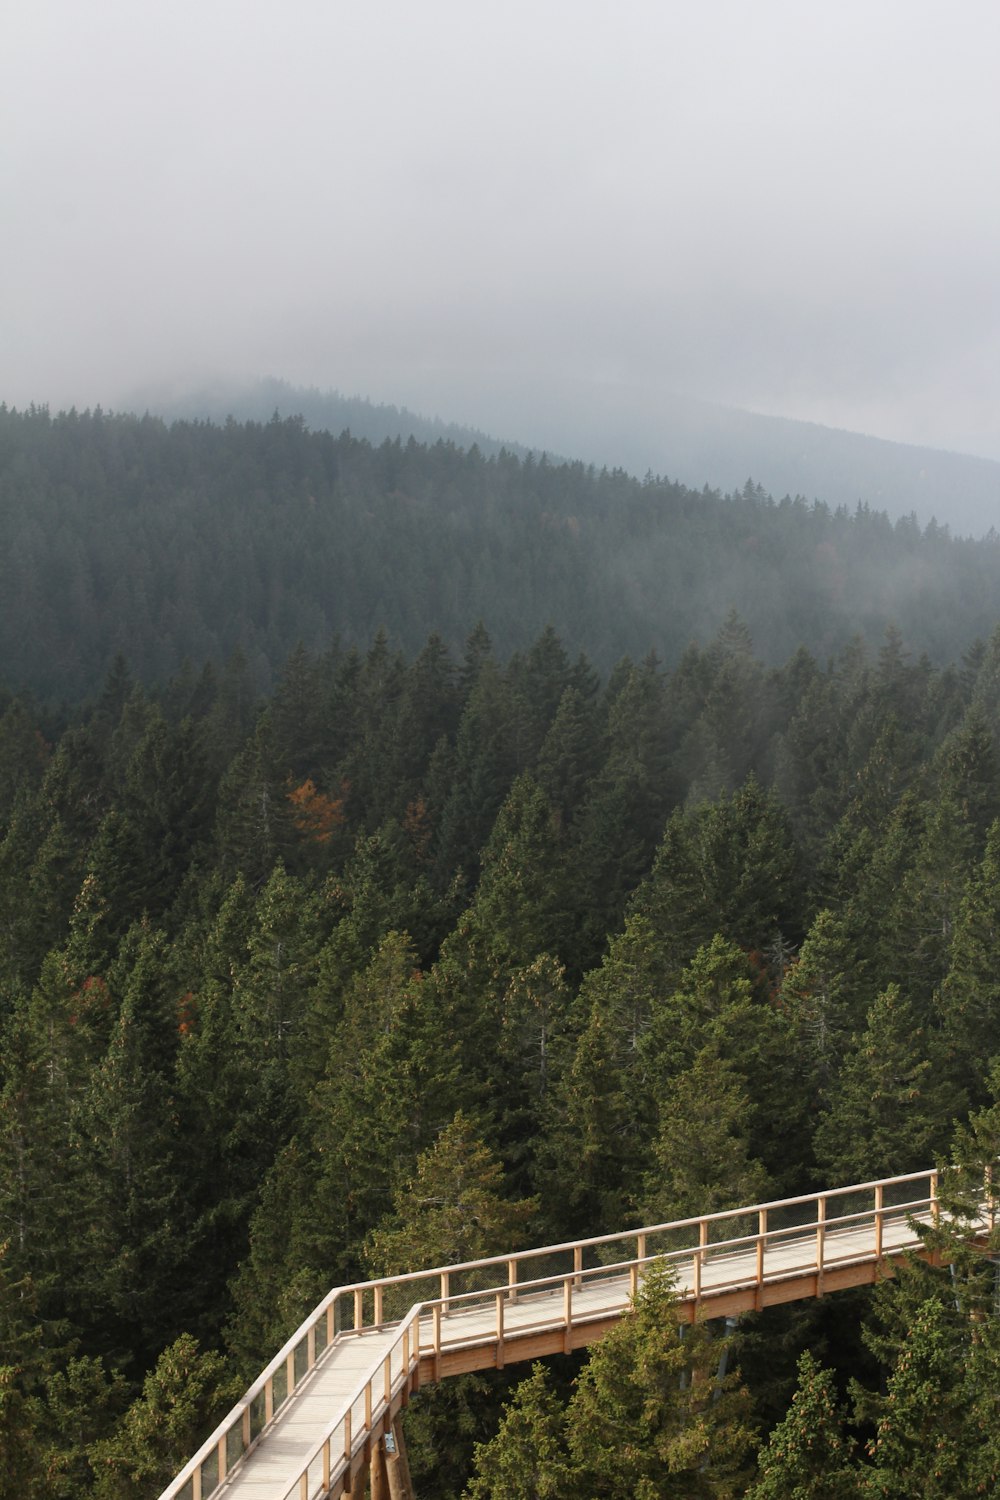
pixel 712 1255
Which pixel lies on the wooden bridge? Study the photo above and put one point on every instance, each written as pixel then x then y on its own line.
pixel 325 1410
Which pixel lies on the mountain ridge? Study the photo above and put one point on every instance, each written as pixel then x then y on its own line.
pixel 661 433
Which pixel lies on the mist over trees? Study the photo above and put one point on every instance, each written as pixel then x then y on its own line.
pixel 187 543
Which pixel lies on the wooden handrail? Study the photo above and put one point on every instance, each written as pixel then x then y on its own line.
pixel 325 1312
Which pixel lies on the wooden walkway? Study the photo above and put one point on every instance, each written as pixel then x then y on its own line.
pixel 309 1425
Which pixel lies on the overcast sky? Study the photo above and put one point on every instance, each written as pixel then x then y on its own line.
pixel 778 204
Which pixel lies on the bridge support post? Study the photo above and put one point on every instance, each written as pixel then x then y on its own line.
pixel 378 1479
pixel 398 1465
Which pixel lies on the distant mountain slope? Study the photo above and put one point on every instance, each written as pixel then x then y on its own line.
pixel 697 442
pixel 121 534
pixel 322 411
pixel 644 430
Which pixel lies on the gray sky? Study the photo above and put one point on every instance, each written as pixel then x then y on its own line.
pixel 778 204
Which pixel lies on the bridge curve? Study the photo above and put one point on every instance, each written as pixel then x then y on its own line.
pixel 318 1414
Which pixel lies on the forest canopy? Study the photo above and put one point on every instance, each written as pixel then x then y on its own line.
pixel 575 918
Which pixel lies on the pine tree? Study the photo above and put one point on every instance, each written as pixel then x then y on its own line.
pixel 652 1416
pixel 590 1159
pixel 822 995
pixel 527 1458
pixel 453 1208
pixel 180 1399
pixel 808 1456
pixel 894 1102
pixel 922 1437
pixel 701 1153
pixel 970 994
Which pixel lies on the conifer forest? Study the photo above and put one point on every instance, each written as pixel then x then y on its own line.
pixel 408 855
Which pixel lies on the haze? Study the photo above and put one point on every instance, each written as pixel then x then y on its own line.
pixel 482 211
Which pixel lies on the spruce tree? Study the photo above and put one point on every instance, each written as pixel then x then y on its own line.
pixel 809 1456
pixel 893 1105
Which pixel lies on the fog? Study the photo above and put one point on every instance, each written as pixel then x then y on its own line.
pixel 480 211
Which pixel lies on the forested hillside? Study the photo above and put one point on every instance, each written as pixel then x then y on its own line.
pixel 282 976
pixel 186 543
pixel 639 428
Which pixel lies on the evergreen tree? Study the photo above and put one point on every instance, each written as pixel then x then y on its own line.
pixel 970 994
pixel 701 1154
pixel 527 1458
pixel 922 1438
pixel 161 1429
pixel 728 867
pixel 453 1209
pixel 129 1253
pixel 590 1159
pixel 894 1103
pixel 822 996
pixel 652 1416
pixel 808 1456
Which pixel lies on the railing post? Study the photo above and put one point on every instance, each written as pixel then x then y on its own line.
pixel 820 1241
pixel 935 1206
pixel 512 1279
pixel 445 1289
pixel 500 1302
pixel 246 1428
pixel 359 1309
pixel 326 1464
pixel 289 1373
pixel 878 1220
pixel 387 1379
pixel 379 1300
pixel 368 1406
pixel 578 1264
pixel 221 1466
pixel 761 1244
pixel 699 1251
pixel 196 1484
pixel 269 1399
pixel 330 1320
pixel 311 1346
pixel 567 1313
pixel 436 1322
pixel 348 1442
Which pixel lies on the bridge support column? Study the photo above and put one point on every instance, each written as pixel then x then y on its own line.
pixel 398 1465
pixel 378 1479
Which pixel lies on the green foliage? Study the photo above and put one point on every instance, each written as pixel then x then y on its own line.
pixel 527 1459
pixel 928 1433
pixel 701 1153
pixel 164 1426
pixel 808 1456
pixel 895 1101
pixel 453 1209
pixel 540 980
pixel 653 1415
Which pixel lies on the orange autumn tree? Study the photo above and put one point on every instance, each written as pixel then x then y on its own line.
pixel 314 813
